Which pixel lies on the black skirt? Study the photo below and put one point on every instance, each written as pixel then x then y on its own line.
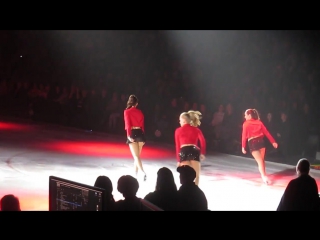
pixel 188 153
pixel 256 144
pixel 137 135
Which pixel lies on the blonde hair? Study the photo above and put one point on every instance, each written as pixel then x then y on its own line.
pixel 192 117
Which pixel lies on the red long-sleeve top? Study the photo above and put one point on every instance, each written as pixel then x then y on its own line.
pixel 188 134
pixel 133 117
pixel 254 128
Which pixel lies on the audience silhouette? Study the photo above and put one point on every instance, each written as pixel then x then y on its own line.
pixel 166 194
pixel 190 196
pixel 128 186
pixel 105 183
pixel 10 203
pixel 301 194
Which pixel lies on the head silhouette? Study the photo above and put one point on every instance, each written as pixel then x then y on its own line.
pixel 128 186
pixel 303 166
pixel 187 174
pixel 105 183
pixel 10 203
pixel 165 180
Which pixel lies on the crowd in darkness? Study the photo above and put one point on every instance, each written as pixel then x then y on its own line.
pixel 86 87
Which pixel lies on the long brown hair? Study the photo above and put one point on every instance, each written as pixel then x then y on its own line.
pixel 254 113
pixel 132 101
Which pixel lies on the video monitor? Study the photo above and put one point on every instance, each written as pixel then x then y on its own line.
pixel 66 195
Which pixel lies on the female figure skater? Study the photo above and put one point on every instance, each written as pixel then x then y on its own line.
pixel 254 131
pixel 134 125
pixel 186 140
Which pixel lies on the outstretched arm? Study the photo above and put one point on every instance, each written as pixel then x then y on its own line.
pixel 267 134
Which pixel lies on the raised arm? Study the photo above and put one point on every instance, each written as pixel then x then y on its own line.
pixel 267 134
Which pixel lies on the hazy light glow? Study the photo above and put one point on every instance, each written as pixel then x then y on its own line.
pixel 104 149
pixel 7 126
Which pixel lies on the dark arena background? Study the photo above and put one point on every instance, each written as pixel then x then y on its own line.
pixel 63 94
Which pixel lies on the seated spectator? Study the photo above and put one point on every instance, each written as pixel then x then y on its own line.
pixel 105 183
pixel 128 186
pixel 165 194
pixel 190 196
pixel 301 194
pixel 10 203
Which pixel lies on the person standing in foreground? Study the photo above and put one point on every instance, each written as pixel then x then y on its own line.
pixel 186 140
pixel 134 126
pixel 301 194
pixel 253 131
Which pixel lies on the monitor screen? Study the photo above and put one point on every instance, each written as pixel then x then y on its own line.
pixel 66 195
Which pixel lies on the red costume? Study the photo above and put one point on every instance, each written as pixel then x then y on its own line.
pixel 188 134
pixel 133 117
pixel 254 128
